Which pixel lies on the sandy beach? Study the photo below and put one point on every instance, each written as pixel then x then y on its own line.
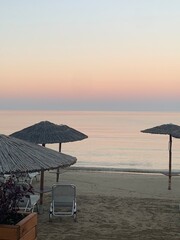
pixel 113 205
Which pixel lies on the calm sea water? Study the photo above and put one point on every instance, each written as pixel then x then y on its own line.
pixel 114 138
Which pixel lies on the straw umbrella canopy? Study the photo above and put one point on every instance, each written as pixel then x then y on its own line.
pixel 176 134
pixel 166 129
pixel 18 156
pixel 46 132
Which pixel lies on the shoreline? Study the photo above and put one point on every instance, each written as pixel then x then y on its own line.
pixel 127 170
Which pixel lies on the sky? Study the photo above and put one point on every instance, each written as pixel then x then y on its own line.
pixel 90 55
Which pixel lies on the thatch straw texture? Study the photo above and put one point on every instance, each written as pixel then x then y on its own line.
pixel 162 129
pixel 47 132
pixel 21 156
pixel 176 134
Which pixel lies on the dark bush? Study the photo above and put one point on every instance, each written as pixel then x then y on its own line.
pixel 11 194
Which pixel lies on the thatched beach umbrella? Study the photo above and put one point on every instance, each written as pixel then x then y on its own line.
pixel 18 156
pixel 46 132
pixel 176 134
pixel 167 129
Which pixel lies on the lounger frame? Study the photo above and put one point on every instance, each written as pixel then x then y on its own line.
pixel 63 201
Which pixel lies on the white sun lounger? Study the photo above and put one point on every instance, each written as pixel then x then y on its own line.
pixel 26 177
pixel 63 201
pixel 33 175
pixel 29 203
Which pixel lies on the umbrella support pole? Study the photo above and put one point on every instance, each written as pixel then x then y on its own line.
pixel 170 161
pixel 57 173
pixel 41 189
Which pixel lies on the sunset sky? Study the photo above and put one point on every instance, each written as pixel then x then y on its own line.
pixel 90 54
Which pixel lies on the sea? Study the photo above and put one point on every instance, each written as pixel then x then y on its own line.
pixel 115 141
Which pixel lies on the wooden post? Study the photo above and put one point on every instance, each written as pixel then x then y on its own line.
pixel 57 173
pixel 41 187
pixel 170 161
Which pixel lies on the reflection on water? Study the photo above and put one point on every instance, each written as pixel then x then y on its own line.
pixel 114 138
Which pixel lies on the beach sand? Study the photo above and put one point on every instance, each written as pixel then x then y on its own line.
pixel 114 205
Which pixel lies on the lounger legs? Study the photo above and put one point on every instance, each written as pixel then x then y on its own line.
pixel 75 217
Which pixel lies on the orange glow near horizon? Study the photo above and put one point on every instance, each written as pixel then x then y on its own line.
pixel 116 81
